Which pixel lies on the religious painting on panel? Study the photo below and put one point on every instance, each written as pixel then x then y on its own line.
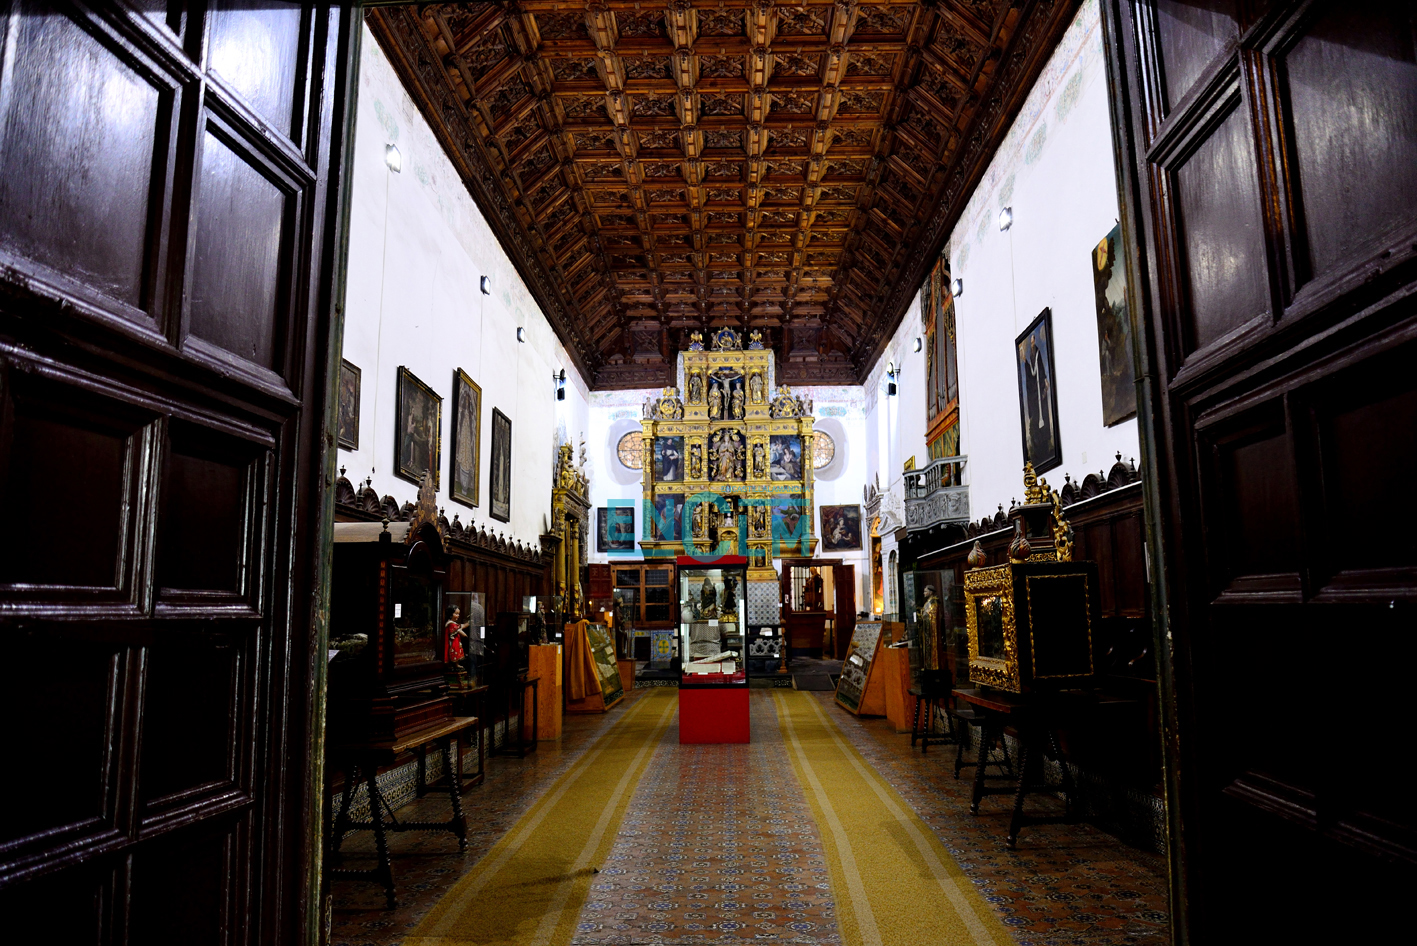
pixel 467 438
pixel 615 529
pixel 347 433
pixel 788 513
pixel 420 425
pixel 841 528
pixel 501 467
pixel 669 516
pixel 785 457
pixel 668 459
pixel 1114 330
pixel 1038 394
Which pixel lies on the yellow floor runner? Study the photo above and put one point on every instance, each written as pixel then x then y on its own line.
pixel 893 881
pixel 529 888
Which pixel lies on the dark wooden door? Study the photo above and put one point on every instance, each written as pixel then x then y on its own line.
pixel 1268 156
pixel 168 202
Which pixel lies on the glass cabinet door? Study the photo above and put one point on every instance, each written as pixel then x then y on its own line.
pixel 711 629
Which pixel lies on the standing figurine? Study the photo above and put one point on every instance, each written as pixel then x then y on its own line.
pixel 715 400
pixel 755 388
pixel 737 403
pixel 760 461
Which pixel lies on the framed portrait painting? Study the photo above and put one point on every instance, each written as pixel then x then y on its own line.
pixel 841 528
pixel 347 434
pixel 615 528
pixel 785 457
pixel 500 471
pixel 1038 394
pixel 418 444
pixel 467 439
pixel 1114 330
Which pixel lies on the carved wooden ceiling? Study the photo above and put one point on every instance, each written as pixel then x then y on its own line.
pixel 653 167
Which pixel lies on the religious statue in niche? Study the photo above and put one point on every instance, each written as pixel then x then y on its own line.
pixel 727 452
pixel 696 388
pixel 715 400
pixel 758 518
pixel 696 461
pixel 760 461
pixel 737 402
pixel 700 517
pixel 755 387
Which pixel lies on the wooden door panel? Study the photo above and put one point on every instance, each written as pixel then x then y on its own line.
pixel 1219 230
pixel 61 438
pixel 1250 504
pixel 1279 448
pixel 1358 430
pixel 167 267
pixel 195 743
pixel 243 241
pixel 258 50
pixel 1353 179
pixel 215 492
pixel 73 91
pixel 186 890
pixel 84 702
pixel 1190 36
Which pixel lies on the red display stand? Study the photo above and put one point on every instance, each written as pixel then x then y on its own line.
pixel 713 715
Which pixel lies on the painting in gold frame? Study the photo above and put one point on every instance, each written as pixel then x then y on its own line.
pixel 463 479
pixel 418 443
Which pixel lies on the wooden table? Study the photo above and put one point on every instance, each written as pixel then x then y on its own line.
pixel 1036 717
pixel 361 761
pixel 474 700
pixel 516 696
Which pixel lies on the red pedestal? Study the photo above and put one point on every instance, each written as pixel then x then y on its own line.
pixel 713 715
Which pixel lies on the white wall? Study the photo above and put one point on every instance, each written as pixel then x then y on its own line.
pixel 418 245
pixel 1055 170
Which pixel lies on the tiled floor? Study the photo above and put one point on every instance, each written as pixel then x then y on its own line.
pixel 718 845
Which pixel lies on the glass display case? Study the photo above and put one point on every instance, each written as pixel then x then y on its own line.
pixel 712 648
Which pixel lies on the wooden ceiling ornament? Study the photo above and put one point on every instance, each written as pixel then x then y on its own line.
pixel 654 167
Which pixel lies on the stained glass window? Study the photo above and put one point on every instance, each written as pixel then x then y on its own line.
pixel 630 451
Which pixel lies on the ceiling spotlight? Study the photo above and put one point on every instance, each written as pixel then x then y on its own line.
pixel 957 287
pixel 918 343
pixel 1006 218
pixel 521 334
pixel 486 285
pixel 392 158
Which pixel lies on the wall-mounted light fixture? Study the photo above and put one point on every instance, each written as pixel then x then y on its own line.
pixel 893 373
pixel 560 378
pixel 918 343
pixel 1006 218
pixel 392 158
pixel 957 287
pixel 485 284
pixel 521 334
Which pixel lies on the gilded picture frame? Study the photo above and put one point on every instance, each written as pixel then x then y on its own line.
pixel 347 425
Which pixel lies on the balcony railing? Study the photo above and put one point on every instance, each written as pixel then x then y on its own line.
pixel 937 494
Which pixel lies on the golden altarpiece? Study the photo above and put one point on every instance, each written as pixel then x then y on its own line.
pixel 728 462
pixel 570 529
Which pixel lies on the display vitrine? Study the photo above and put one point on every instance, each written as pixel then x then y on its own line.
pixel 712 649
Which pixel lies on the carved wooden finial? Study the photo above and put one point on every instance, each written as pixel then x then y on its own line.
pixel 977 558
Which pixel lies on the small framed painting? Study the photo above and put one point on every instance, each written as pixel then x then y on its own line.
pixel 347 434
pixel 1114 330
pixel 615 528
pixel 841 528
pixel 467 439
pixel 418 445
pixel 1038 394
pixel 500 470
